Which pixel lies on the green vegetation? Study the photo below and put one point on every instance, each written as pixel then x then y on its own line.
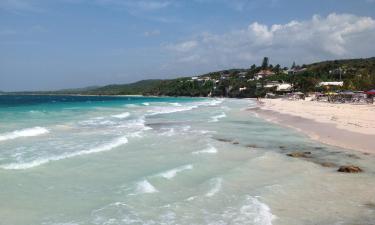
pixel 357 74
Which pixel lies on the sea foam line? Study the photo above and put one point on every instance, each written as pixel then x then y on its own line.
pixel 216 187
pixel 217 117
pixel 170 174
pixel 255 212
pixel 180 108
pixel 145 187
pixel 121 115
pixel 209 150
pixel 102 148
pixel 28 132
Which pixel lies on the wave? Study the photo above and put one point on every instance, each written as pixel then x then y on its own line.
pixel 144 186
pixel 253 211
pixel 97 121
pixel 180 108
pixel 167 110
pixel 217 117
pixel 146 103
pixel 121 115
pixel 170 174
pixel 102 148
pixel 216 184
pixel 28 132
pixel 209 150
pixel 216 102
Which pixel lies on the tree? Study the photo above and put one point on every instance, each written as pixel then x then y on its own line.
pixel 293 65
pixel 277 68
pixel 253 67
pixel 265 63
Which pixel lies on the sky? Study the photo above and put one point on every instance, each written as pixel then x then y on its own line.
pixel 57 44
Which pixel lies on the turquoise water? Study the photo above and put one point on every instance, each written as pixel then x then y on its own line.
pixel 135 160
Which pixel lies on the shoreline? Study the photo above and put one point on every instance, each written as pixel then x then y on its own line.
pixel 333 133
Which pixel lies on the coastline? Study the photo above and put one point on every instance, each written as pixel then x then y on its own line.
pixel 338 132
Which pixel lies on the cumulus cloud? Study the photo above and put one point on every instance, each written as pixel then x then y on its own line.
pixel 333 36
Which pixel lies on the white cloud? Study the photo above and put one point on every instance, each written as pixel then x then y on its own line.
pixel 151 33
pixel 184 46
pixel 320 38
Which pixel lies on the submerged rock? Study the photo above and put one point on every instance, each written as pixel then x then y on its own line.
pixel 223 140
pixel 327 164
pixel 370 205
pixel 252 146
pixel 299 154
pixel 353 156
pixel 350 169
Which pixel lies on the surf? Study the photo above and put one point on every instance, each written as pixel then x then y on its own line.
pixel 28 132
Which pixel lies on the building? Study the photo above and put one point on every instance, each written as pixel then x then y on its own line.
pixel 331 83
pixel 296 70
pixel 263 74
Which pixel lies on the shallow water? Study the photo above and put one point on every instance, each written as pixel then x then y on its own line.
pixel 104 160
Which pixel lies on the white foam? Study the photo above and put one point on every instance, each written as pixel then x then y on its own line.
pixel 167 110
pixel 216 102
pixel 28 132
pixel 170 174
pixel 146 103
pixel 216 184
pixel 169 132
pixel 121 115
pixel 145 187
pixel 102 148
pixel 209 150
pixel 175 104
pixel 254 212
pixel 217 117
pixel 97 121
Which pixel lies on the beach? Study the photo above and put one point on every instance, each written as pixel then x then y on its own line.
pixel 83 160
pixel 344 125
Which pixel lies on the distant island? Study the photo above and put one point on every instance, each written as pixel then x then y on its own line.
pixel 256 81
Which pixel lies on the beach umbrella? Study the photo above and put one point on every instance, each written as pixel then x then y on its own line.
pixel 370 92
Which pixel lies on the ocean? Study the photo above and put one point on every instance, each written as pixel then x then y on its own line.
pixel 77 160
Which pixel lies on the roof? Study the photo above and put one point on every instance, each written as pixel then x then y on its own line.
pixel 332 83
pixel 265 73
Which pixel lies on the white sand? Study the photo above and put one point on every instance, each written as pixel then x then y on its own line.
pixel 344 125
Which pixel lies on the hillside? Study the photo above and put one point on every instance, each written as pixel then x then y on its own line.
pixel 357 74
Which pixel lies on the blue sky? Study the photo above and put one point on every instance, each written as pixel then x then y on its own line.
pixel 47 45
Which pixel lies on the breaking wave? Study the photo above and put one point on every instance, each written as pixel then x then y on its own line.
pixel 170 174
pixel 145 187
pixel 209 150
pixel 28 132
pixel 216 184
pixel 27 165
pixel 217 117
pixel 121 115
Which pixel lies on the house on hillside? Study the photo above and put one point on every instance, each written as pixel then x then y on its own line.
pixel 279 86
pixel 242 74
pixel 296 70
pixel 263 74
pixel 331 84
